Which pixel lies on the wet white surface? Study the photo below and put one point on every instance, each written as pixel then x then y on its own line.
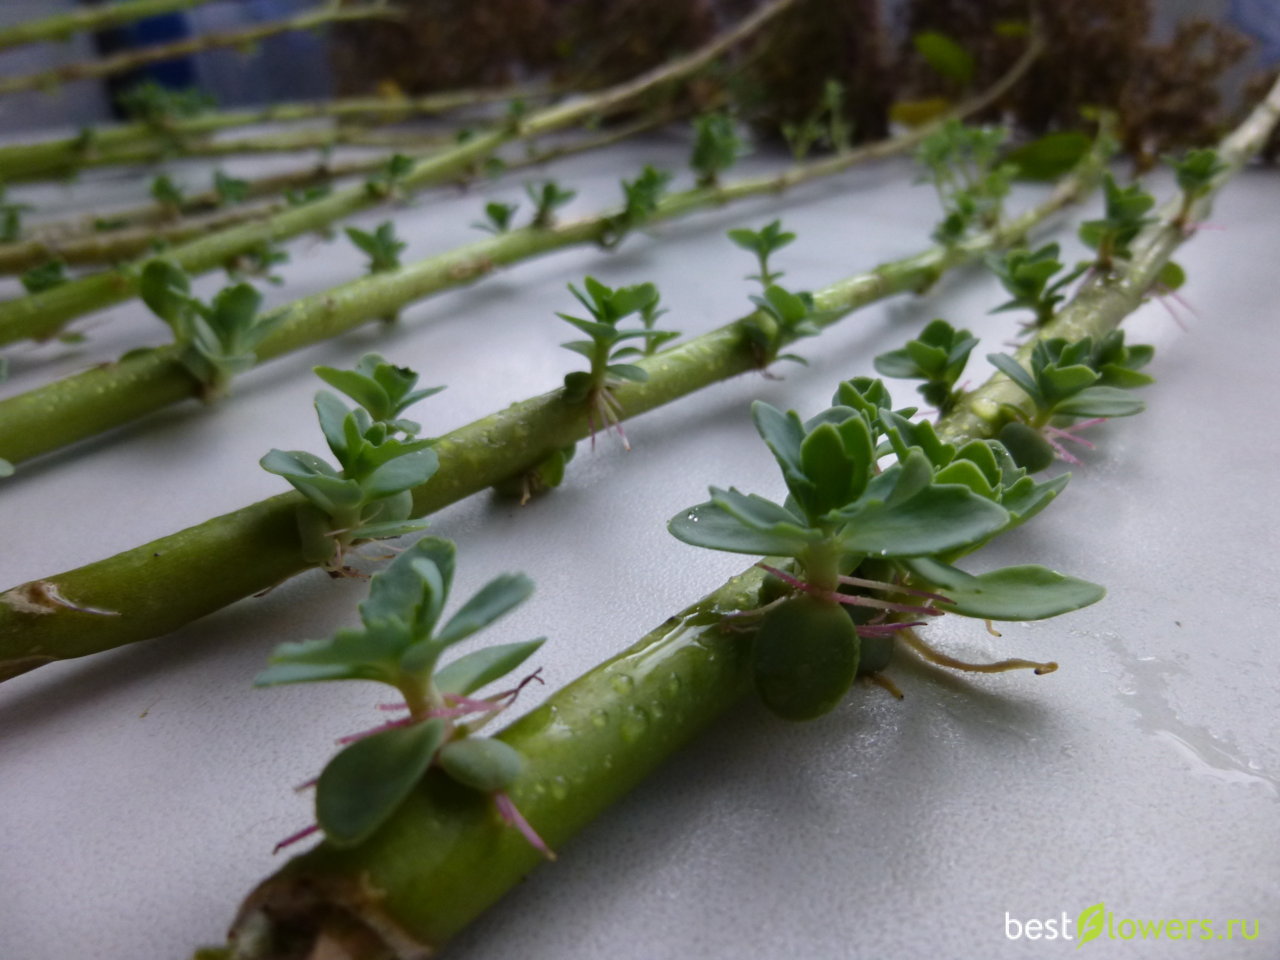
pixel 143 789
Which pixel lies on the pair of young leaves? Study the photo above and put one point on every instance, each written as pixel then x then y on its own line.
pixel 400 643
pixel 909 521
pixel 380 456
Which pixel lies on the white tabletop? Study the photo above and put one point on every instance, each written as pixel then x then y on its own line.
pixel 143 789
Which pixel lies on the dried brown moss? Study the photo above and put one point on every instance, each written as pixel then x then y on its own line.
pixel 1098 54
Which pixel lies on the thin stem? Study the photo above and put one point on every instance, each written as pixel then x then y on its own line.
pixel 44 315
pixel 145 141
pixel 160 52
pixel 64 25
pixel 78 245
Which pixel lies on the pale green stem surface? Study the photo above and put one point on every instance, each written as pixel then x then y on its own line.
pixel 43 315
pixel 160 586
pixel 444 857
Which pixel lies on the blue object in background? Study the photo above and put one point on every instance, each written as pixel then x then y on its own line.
pixel 1261 20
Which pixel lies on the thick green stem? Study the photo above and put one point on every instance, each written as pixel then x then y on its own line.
pixel 72 409
pixel 444 858
pixel 43 315
pixel 196 571
pixel 65 25
pixel 157 53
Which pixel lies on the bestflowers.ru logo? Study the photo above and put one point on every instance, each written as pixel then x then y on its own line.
pixel 1099 923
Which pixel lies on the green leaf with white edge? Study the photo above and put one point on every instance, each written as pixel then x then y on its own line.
pixel 1030 592
pixel 403 473
pixel 363 785
pixel 495 599
pixel 1100 402
pixel 350 654
pixel 469 673
pixel 709 525
pixel 482 763
pixel 934 520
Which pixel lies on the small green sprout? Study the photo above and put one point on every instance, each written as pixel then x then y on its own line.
pixel 870 544
pixel 938 357
pixel 400 642
pixel 764 243
pixel 300 197
pixel 158 106
pixel 608 307
pixel 382 246
pixel 642 196
pixel 1026 274
pixel 386 183
pixel 716 147
pixel 781 317
pixel 10 218
pixel 1196 171
pixel 498 217
pixel 548 197
pixel 230 190
pixel 547 474
pixel 1068 381
pixel 380 456
pixel 826 125
pixel 961 163
pixel 168 194
pixel 45 277
pixel 517 110
pixel 1126 215
pixel 216 340
pixel 258 261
